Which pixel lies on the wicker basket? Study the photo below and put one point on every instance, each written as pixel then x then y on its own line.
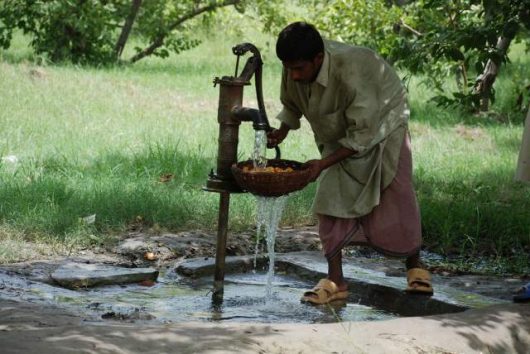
pixel 270 184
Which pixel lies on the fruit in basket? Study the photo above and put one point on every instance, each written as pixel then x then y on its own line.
pixel 268 169
pixel 279 178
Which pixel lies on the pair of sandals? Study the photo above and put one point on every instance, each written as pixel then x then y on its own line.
pixel 326 291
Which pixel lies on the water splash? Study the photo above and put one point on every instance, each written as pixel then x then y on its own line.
pixel 269 214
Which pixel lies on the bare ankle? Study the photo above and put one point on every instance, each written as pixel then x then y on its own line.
pixel 340 282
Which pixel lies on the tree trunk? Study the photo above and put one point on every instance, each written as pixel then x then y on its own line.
pixel 126 29
pixel 523 163
pixel 484 83
pixel 159 40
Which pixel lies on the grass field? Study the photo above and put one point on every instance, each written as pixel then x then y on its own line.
pixel 83 151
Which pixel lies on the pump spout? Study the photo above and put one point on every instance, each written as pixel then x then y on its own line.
pixel 259 121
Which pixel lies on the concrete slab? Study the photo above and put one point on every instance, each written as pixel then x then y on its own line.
pixel 81 275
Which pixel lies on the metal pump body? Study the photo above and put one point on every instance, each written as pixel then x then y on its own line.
pixel 231 113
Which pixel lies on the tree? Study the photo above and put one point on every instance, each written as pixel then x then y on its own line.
pixel 514 14
pixel 436 38
pixel 167 20
pixel 84 31
pixel 365 23
pixel 127 27
pixel 76 30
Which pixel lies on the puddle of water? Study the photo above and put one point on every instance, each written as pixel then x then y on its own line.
pixel 175 299
pixel 245 300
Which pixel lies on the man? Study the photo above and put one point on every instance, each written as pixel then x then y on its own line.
pixel 357 108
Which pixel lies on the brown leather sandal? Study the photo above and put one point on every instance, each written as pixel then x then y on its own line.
pixel 419 281
pixel 324 292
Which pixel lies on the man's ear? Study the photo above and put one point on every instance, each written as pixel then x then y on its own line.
pixel 319 58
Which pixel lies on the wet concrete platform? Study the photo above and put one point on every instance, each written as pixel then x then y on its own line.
pixel 375 283
pixel 476 317
pixel 379 284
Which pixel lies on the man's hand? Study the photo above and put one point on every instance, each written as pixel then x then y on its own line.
pixel 316 167
pixel 276 136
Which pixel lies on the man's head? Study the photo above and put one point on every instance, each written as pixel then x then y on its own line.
pixel 301 50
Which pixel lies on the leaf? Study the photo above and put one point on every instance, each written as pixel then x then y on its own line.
pixel 90 219
pixel 166 177
pixel 455 54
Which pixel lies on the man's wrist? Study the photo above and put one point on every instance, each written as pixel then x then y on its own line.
pixel 284 128
pixel 339 155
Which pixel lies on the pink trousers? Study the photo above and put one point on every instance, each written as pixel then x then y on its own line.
pixel 393 227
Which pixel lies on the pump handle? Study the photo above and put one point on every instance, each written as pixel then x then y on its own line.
pixel 253 66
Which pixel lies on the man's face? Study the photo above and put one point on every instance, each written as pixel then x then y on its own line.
pixel 304 71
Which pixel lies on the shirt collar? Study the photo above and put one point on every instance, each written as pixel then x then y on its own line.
pixel 323 74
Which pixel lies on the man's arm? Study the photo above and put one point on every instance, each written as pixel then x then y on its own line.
pixel 317 166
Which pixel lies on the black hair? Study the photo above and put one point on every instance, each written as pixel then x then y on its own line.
pixel 299 41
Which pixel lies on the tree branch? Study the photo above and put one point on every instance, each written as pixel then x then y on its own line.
pixel 484 82
pixel 410 29
pixel 158 41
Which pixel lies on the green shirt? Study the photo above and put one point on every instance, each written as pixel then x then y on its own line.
pixel 357 101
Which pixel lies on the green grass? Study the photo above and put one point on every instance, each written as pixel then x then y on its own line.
pixel 96 141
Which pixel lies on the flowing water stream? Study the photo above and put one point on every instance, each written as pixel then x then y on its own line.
pixel 259 155
pixel 269 211
pixel 269 214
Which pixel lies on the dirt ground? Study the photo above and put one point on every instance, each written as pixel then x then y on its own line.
pixel 30 328
pixel 27 328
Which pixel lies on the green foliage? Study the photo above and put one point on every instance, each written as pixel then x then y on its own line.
pixel 273 14
pixel 80 31
pixel 435 38
pixel 157 18
pixel 364 23
pixel 459 38
pixel 86 31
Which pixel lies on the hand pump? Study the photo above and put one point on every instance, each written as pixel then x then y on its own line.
pixel 230 114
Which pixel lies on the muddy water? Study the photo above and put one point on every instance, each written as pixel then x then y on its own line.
pixel 176 299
